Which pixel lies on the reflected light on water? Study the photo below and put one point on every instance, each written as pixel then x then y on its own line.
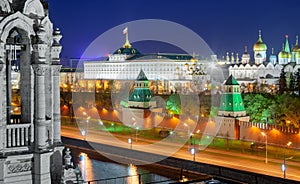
pixel 133 172
pixel 86 167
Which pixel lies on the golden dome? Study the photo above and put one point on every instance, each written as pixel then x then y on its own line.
pixel 186 65
pixel 297 55
pixel 296 48
pixel 283 54
pixel 259 45
pixel 194 59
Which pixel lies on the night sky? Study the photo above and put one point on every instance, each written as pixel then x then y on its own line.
pixel 226 25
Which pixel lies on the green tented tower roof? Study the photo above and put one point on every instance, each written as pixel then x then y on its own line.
pixel 231 102
pixel 231 81
pixel 142 76
pixel 141 95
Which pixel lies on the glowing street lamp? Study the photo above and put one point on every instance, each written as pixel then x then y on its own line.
pixel 265 135
pixel 130 142
pixel 193 152
pixel 136 133
pixel 284 160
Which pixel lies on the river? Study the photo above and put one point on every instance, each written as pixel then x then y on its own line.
pixel 100 168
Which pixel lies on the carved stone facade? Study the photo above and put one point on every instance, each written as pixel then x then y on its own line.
pixel 30 138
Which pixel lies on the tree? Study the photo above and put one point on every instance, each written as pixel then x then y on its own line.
pixel 173 104
pixel 282 82
pixel 292 83
pixel 259 107
pixel 297 81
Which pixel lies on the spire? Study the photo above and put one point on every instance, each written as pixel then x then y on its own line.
pixel 232 57
pixel 246 50
pixel 259 36
pixel 227 56
pixel 296 41
pixel 127 43
pixel 287 46
pixel 272 51
pixel 237 58
pixel 231 81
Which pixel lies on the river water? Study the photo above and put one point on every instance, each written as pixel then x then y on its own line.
pixel 109 172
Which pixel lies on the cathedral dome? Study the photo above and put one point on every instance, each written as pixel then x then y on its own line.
pixel 283 54
pixel 259 45
pixel 297 55
pixel 296 48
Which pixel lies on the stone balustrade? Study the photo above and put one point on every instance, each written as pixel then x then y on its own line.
pixel 18 135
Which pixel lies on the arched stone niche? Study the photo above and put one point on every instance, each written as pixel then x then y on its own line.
pixel 34 8
pixel 16 20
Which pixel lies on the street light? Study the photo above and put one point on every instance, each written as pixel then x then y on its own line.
pixel 130 142
pixel 193 150
pixel 136 133
pixel 284 160
pixel 265 135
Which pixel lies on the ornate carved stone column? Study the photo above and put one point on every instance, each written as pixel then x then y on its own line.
pixel 55 52
pixel 56 103
pixel 2 94
pixel 40 106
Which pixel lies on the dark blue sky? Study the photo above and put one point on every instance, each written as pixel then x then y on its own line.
pixel 226 25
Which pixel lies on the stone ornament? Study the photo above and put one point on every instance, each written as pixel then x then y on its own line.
pixel 56 70
pixel 39 69
pixel 19 167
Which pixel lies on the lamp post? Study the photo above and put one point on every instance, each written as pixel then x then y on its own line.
pixel 188 133
pixel 193 150
pixel 136 133
pixel 130 142
pixel 265 135
pixel 284 160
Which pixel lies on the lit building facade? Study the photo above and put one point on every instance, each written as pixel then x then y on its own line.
pixel 174 72
pixel 263 70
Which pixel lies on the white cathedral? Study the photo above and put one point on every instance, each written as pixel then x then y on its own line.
pixel 263 69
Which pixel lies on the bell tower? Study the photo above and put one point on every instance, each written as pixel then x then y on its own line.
pixel 30 144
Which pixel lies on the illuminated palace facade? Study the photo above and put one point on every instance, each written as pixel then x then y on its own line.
pixel 167 73
pixel 264 70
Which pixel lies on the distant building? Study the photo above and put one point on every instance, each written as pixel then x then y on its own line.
pixel 264 70
pixel 231 110
pixel 173 71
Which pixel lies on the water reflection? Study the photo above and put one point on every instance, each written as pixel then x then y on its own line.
pixel 94 169
pixel 133 173
pixel 86 166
